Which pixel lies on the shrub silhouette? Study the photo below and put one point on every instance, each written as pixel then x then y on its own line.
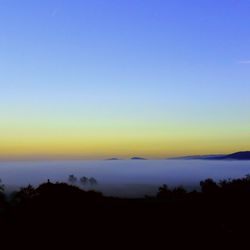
pixel 209 186
pixel 179 191
pixel 241 186
pixel 165 192
pixel 25 193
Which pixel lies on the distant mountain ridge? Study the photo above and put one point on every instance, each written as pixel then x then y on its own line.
pixel 133 158
pixel 137 158
pixel 242 155
pixel 197 157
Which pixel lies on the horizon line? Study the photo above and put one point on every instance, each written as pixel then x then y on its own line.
pixel 82 157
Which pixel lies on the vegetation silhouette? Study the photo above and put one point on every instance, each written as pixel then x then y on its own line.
pixel 167 193
pixel 84 180
pixel 1 186
pixel 209 186
pixel 2 196
pixel 217 214
pixel 72 179
pixel 92 181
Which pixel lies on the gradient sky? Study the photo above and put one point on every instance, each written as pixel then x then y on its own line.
pixel 106 78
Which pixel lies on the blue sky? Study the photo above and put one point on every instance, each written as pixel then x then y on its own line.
pixel 168 68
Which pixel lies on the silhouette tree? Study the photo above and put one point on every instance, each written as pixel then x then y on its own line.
pixel 92 181
pixel 209 186
pixel 84 180
pixel 1 186
pixel 72 179
pixel 2 195
pixel 236 185
pixel 26 193
pixel 164 192
pixel 179 191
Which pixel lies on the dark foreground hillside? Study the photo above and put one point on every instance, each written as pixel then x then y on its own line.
pixel 58 216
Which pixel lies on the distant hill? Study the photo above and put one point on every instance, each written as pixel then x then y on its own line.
pixel 243 155
pixel 197 157
pixel 113 159
pixel 137 158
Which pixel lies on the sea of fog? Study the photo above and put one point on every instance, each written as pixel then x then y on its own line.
pixel 129 178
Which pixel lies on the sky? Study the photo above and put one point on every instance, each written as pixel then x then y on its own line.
pixel 120 78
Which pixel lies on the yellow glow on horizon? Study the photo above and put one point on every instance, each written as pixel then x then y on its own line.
pixel 90 147
pixel 104 139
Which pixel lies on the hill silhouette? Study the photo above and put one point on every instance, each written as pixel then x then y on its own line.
pixel 242 155
pixel 138 158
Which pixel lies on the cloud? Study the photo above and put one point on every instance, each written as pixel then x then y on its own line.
pixel 244 62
